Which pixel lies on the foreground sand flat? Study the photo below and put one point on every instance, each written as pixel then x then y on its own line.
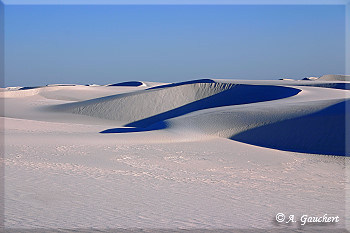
pixel 199 154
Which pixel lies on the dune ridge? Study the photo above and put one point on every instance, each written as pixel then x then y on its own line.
pixel 294 116
pixel 143 108
pixel 334 77
pixel 253 114
pixel 141 104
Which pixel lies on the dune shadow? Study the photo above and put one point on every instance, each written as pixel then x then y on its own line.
pixel 183 83
pixel 127 84
pixel 239 94
pixel 157 126
pixel 322 132
pixel 29 88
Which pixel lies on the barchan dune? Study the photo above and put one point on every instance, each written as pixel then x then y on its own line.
pixel 205 153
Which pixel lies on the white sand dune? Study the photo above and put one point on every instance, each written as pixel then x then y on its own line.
pixel 214 154
pixel 139 105
pixel 333 77
pixel 168 101
pixel 265 115
pixel 68 91
pixel 311 127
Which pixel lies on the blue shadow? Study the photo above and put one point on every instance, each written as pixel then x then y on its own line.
pixel 157 126
pixel 28 88
pixel 322 132
pixel 127 84
pixel 183 83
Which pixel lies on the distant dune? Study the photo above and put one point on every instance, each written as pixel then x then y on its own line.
pixel 332 77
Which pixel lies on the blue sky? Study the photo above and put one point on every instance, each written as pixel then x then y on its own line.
pixel 169 43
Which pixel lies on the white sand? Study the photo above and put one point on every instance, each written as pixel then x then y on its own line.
pixel 203 154
pixel 335 77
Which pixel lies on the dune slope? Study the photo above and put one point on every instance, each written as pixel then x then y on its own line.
pixel 146 107
pixel 273 116
pixel 322 132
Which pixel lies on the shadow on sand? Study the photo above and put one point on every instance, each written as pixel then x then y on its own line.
pixel 127 84
pixel 156 126
pixel 183 83
pixel 28 88
pixel 322 132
